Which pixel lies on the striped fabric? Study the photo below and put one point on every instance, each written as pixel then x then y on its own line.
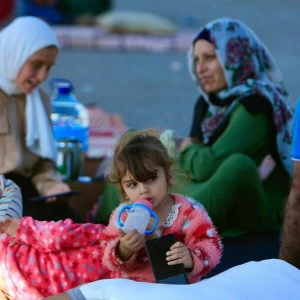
pixel 11 200
pixel 95 37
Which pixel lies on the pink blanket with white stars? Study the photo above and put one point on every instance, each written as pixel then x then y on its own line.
pixel 47 258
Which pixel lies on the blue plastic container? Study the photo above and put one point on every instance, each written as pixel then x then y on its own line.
pixel 70 118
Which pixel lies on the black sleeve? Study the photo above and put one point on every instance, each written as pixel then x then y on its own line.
pixel 256 104
pixel 200 110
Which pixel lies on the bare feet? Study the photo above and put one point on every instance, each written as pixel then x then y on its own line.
pixel 266 167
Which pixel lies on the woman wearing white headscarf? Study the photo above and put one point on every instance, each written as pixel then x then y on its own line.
pixel 28 50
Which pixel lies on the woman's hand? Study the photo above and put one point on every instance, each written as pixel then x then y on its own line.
pixel 129 244
pixel 186 142
pixel 57 189
pixel 180 254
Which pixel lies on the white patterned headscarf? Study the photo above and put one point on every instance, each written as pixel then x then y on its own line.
pixel 19 41
pixel 249 68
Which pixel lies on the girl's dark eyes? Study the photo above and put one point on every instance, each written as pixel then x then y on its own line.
pixel 132 184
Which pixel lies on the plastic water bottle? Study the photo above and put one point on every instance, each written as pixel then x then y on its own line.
pixel 138 217
pixel 70 118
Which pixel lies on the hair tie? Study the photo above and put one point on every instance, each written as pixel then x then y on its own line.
pixel 168 138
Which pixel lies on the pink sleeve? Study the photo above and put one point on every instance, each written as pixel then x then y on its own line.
pixel 52 236
pixel 111 239
pixel 204 242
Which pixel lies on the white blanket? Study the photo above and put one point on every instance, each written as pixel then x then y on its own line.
pixel 266 280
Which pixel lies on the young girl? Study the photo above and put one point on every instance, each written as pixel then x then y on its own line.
pixel 142 169
pixel 46 258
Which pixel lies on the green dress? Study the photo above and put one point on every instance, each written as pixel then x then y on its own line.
pixel 224 178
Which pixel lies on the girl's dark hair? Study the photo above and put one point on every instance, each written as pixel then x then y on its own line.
pixel 139 153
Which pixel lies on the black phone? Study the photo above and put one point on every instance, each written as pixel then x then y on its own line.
pixel 60 195
pixel 156 250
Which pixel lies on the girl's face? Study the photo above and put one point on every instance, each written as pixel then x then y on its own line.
pixel 155 189
pixel 208 67
pixel 36 69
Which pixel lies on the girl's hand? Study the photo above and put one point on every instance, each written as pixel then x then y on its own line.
pixel 129 244
pixel 180 254
pixel 10 227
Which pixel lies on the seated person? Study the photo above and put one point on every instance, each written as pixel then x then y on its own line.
pixel 45 258
pixel 290 245
pixel 242 115
pixel 28 50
